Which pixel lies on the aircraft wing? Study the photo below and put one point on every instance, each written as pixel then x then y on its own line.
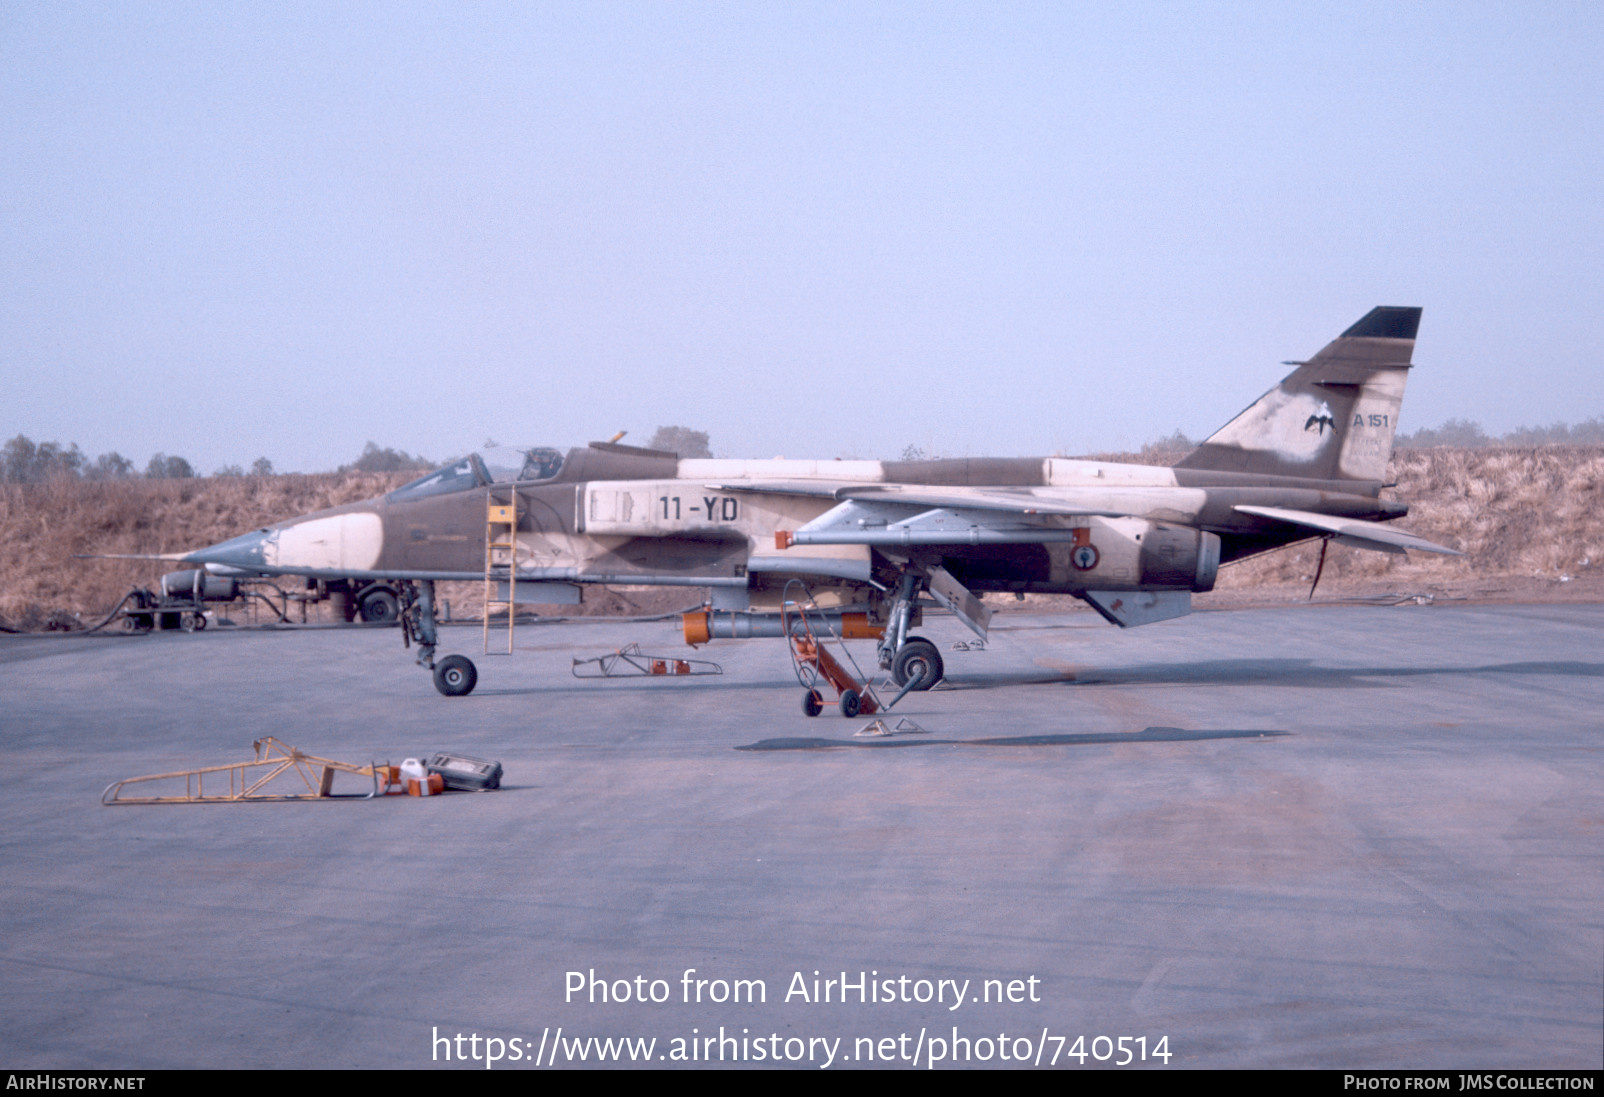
pixel 1351 531
pixel 891 522
pixel 1015 501
pixel 817 489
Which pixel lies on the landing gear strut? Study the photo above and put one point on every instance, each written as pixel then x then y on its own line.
pixel 910 659
pixel 456 675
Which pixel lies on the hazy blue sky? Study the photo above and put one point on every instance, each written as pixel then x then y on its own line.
pixel 230 231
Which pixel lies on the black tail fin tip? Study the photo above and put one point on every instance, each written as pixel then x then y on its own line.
pixel 1386 322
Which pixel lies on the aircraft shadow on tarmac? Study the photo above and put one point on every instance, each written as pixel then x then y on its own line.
pixel 1301 673
pixel 631 684
pixel 1297 673
pixel 1146 735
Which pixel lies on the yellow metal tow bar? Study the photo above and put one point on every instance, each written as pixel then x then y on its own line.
pixel 251 780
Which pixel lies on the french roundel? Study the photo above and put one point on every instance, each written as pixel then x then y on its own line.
pixel 1084 557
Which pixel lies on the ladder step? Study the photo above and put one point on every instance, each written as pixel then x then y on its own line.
pixel 501 539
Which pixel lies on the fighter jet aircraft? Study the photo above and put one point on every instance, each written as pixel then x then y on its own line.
pixel 874 542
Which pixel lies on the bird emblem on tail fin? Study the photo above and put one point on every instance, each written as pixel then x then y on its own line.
pixel 1321 418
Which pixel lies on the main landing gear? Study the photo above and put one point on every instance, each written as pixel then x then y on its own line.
pixel 910 659
pixel 917 659
pixel 455 675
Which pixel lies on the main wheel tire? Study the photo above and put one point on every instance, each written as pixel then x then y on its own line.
pixel 380 607
pixel 917 661
pixel 851 704
pixel 190 622
pixel 455 676
pixel 812 703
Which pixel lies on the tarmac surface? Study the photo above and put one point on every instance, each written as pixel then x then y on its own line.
pixel 1349 837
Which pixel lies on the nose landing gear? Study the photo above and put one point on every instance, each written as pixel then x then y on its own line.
pixel 455 675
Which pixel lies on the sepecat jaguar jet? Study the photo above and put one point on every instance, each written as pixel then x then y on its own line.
pixel 876 541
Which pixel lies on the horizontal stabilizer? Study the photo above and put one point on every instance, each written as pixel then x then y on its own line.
pixel 1351 531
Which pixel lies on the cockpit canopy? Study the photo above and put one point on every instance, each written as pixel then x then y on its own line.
pixel 506 464
pixel 491 465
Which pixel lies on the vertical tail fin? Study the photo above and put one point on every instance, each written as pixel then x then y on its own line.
pixel 1333 417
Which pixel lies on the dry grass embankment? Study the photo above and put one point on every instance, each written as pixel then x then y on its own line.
pixel 1529 520
pixel 1518 515
pixel 42 526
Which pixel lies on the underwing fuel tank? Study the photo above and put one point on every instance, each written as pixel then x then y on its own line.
pixel 703 625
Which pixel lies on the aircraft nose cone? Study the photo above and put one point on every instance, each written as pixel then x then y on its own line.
pixel 349 542
pixel 335 543
pixel 251 551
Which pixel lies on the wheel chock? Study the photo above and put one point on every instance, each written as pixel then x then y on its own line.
pixel 878 729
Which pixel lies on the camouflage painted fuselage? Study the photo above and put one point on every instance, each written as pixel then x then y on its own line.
pixel 1305 460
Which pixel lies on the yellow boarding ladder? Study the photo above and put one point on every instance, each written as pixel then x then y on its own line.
pixel 501 558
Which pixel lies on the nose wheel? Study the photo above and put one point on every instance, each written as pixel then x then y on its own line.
pixel 455 676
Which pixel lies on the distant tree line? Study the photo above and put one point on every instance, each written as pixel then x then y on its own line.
pixel 1466 434
pixel 682 441
pixel 23 461
pixel 374 459
pixel 1173 448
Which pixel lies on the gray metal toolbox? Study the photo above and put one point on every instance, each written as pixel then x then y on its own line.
pixel 466 774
